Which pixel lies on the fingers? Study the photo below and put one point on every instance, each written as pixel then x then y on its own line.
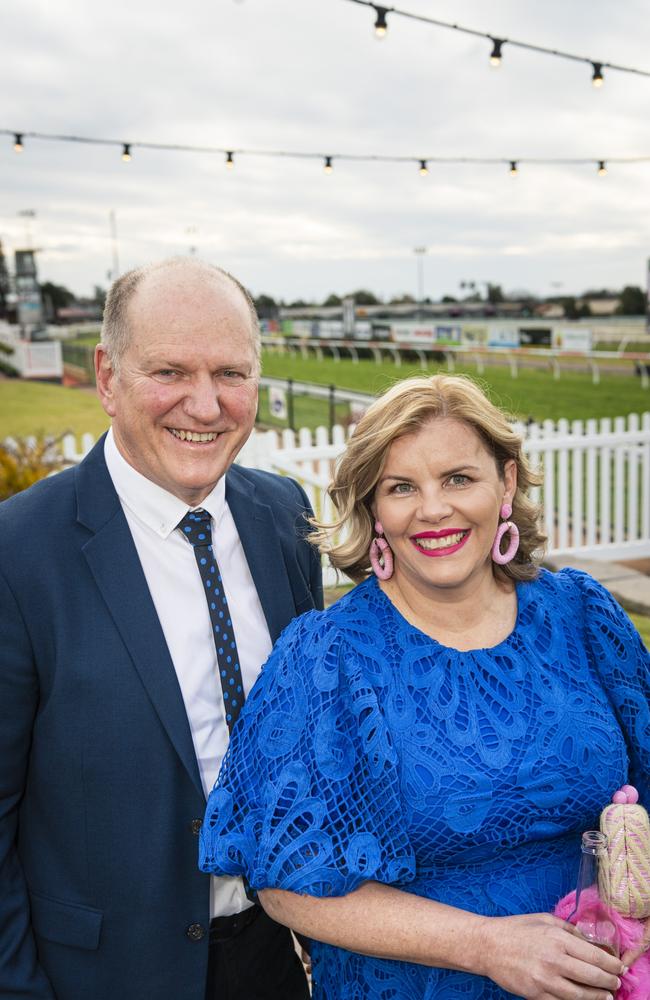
pixel 579 947
pixel 587 976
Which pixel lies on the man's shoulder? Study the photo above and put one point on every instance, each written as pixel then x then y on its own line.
pixel 268 485
pixel 41 499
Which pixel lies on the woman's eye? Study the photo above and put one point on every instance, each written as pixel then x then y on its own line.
pixel 458 479
pixel 402 488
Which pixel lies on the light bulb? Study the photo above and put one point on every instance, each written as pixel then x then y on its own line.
pixel 495 55
pixel 597 78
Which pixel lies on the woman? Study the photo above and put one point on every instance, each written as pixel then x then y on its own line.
pixel 412 772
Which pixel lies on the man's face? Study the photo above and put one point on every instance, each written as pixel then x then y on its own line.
pixel 185 399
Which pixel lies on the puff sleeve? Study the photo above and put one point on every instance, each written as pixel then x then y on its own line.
pixel 622 662
pixel 308 795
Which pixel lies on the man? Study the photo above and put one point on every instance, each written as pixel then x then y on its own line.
pixel 112 718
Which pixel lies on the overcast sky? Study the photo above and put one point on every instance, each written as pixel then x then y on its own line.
pixel 309 75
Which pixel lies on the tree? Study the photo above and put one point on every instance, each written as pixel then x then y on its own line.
pixel 333 300
pixel 401 300
pixel 4 283
pixel 58 295
pixel 362 297
pixel 633 301
pixel 99 295
pixel 495 294
pixel 266 306
pixel 448 298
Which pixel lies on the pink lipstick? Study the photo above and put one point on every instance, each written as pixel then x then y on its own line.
pixel 441 543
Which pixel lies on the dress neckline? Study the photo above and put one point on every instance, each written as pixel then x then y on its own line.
pixel 521 594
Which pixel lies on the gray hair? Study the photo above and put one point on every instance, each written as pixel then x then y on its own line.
pixel 116 331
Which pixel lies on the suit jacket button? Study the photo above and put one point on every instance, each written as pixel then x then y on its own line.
pixel 195 826
pixel 195 932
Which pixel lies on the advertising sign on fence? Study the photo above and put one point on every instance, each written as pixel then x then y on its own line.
pixel 277 402
pixel 446 334
pixel 503 336
pixel 417 334
pixel 571 339
pixel 331 329
pixel 474 334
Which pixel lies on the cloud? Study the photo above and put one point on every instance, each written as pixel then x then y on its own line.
pixel 308 75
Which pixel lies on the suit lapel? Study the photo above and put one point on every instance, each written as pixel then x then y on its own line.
pixel 259 537
pixel 114 563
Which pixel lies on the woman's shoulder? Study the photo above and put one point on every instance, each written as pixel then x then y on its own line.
pixel 358 603
pixel 566 584
pixel 348 630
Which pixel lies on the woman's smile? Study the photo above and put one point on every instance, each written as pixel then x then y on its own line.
pixel 441 543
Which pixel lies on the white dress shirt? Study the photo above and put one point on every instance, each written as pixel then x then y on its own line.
pixel 178 595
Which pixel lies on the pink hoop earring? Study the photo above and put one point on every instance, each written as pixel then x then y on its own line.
pixel 499 557
pixel 381 557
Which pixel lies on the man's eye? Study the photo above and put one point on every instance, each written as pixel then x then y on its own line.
pixel 231 375
pixel 166 374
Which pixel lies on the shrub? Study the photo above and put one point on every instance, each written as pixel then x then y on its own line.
pixel 23 461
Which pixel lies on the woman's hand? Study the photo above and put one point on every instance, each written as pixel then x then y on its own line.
pixel 539 957
pixel 630 956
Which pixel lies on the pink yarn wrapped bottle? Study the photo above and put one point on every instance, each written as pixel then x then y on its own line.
pixel 627 828
pixel 622 886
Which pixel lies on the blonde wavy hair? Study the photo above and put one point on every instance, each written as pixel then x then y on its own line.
pixel 405 408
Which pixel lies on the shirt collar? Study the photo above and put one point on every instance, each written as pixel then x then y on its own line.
pixel 155 507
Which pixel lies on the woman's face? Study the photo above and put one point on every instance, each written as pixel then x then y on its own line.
pixel 438 500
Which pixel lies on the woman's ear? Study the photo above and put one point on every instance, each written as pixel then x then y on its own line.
pixel 510 480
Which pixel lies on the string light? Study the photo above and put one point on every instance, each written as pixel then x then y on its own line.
pixel 602 169
pixel 18 143
pixel 597 78
pixel 529 46
pixel 513 168
pixel 495 56
pixel 422 163
pixel 380 21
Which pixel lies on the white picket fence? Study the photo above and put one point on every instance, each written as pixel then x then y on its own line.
pixel 33 359
pixel 595 497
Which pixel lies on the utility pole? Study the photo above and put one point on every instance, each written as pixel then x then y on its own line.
pixel 419 256
pixel 115 270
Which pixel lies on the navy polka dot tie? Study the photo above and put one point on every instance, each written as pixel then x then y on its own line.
pixel 196 526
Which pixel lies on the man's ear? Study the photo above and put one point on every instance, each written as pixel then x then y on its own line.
pixel 105 379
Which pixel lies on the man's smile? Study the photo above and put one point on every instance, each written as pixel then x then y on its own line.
pixel 195 436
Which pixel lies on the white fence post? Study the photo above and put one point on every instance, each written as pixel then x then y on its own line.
pixel 584 466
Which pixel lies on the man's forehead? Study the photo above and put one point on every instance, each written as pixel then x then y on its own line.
pixel 181 286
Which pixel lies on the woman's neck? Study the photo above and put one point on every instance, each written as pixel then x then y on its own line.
pixel 479 613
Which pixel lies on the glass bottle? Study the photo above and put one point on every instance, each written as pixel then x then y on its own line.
pixel 592 915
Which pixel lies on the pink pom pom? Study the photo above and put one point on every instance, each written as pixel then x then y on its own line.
pixel 632 794
pixel 619 798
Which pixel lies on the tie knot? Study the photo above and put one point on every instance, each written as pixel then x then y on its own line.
pixel 197 527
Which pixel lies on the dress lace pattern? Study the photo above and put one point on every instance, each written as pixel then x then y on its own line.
pixel 367 750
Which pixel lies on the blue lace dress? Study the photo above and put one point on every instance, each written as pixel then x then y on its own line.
pixel 368 751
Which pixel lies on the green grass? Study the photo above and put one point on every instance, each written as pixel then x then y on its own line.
pixel 642 624
pixel 27 407
pixel 534 393
pixel 30 407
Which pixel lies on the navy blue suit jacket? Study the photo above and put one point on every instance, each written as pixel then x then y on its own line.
pixel 99 783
